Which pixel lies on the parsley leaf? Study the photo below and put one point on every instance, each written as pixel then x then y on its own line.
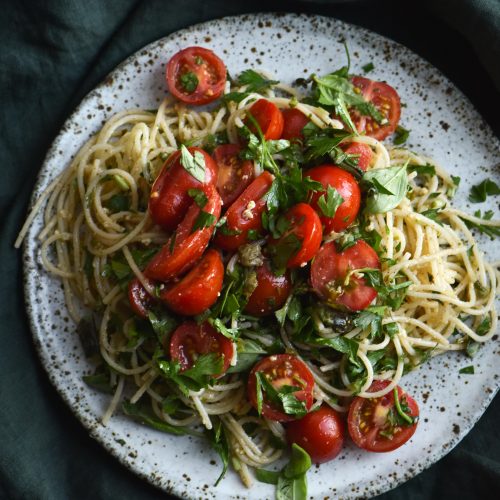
pixel 193 163
pixel 368 67
pixel 203 220
pixel 330 201
pixel 481 191
pixel 218 440
pixel 198 196
pixel 189 82
pixel 402 135
pixel 467 370
pixel 491 231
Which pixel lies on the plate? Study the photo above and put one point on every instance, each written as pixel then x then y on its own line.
pixel 443 124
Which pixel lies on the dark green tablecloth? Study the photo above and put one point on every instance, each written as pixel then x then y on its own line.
pixel 51 54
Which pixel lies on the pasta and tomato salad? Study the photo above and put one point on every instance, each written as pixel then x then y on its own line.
pixel 252 263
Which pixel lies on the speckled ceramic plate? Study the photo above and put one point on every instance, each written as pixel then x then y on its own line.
pixel 443 125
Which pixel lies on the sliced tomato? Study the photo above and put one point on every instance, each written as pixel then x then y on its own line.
pixel 281 370
pixel 185 246
pixel 271 292
pixel 196 76
pixel 362 151
pixel 375 424
pixel 329 271
pixel 140 300
pixel 300 242
pixel 345 184
pixel 234 174
pixel 294 122
pixel 169 199
pixel 190 341
pixel 320 433
pixel 385 99
pixel 244 214
pixel 199 289
pixel 268 117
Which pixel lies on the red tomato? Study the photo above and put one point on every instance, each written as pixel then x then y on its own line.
pixel 234 174
pixel 196 76
pixel 140 300
pixel 346 185
pixel 320 433
pixel 185 246
pixel 269 118
pixel 280 370
pixel 385 99
pixel 363 151
pixel 304 233
pixel 373 423
pixel 190 341
pixel 169 199
pixel 329 270
pixel 245 214
pixel 199 289
pixel 271 292
pixel 294 122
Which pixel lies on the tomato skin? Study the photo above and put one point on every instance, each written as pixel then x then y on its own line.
pixel 188 246
pixel 348 188
pixel 333 266
pixel 320 433
pixel 190 340
pixel 366 420
pixel 208 68
pixel 169 199
pixel 294 122
pixel 234 174
pixel 271 292
pixel 364 152
pixel 199 289
pixel 269 118
pixel 140 300
pixel 237 218
pixel 306 226
pixel 282 369
pixel 385 99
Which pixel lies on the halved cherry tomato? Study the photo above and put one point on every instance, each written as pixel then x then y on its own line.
pixel 185 246
pixel 374 423
pixel 363 151
pixel 271 292
pixel 280 370
pixel 269 118
pixel 190 341
pixel 169 199
pixel 140 300
pixel 329 271
pixel 320 433
pixel 199 289
pixel 294 122
pixel 347 187
pixel 234 174
pixel 300 242
pixel 196 76
pixel 385 99
pixel 244 214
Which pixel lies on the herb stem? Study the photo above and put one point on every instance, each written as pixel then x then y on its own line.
pixel 402 414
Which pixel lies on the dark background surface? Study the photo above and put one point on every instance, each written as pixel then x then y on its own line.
pixel 51 56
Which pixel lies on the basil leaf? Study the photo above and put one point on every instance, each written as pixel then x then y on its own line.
pixel 267 476
pixel 193 163
pixel 291 489
pixel 299 464
pixel 467 370
pixel 392 179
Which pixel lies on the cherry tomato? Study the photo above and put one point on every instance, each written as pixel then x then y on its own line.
pixel 234 174
pixel 169 199
pixel 199 289
pixel 280 370
pixel 374 423
pixel 347 187
pixel 269 118
pixel 190 341
pixel 363 151
pixel 385 99
pixel 301 240
pixel 294 122
pixel 140 300
pixel 329 271
pixel 271 292
pixel 185 246
pixel 320 433
pixel 196 76
pixel 244 214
